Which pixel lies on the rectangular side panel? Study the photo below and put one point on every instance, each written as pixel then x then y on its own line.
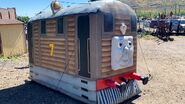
pixel 36 43
pixel 106 59
pixel 57 60
pixel 95 39
pixel 30 43
pixel 73 86
pixel 42 50
pixel 71 45
pixel 106 44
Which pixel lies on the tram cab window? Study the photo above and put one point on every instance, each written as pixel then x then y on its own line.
pixel 108 22
pixel 60 26
pixel 133 23
pixel 0 15
pixel 43 27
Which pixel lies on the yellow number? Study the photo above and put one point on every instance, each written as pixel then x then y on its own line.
pixel 51 45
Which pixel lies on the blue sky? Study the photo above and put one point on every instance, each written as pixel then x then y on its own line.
pixel 31 7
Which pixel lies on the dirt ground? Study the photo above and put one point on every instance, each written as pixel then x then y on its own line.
pixel 166 62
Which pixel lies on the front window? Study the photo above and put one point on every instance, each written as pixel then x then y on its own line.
pixel 108 22
pixel 133 23
pixel 60 26
pixel 43 27
pixel 0 15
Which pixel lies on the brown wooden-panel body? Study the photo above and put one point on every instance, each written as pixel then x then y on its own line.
pixel 64 46
pixel 106 44
pixel 65 58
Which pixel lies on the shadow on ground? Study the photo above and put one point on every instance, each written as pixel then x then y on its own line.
pixel 130 101
pixel 33 93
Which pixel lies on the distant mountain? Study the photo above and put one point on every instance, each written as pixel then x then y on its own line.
pixel 153 3
pixel 151 8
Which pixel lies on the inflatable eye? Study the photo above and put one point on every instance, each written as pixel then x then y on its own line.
pixel 120 44
pixel 129 43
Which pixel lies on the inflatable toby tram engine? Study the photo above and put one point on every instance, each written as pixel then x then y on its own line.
pixel 87 51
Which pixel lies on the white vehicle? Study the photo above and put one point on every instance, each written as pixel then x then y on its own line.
pixel 178 25
pixel 182 25
pixel 147 23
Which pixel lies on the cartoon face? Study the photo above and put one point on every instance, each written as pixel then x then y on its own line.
pixel 122 52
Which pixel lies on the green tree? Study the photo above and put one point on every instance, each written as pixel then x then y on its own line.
pixel 24 19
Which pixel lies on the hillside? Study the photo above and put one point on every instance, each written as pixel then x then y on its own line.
pixel 153 3
pixel 151 8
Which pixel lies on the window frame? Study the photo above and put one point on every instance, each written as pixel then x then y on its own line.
pixel 40 27
pixel 1 17
pixel 132 23
pixel 103 28
pixel 9 15
pixel 57 28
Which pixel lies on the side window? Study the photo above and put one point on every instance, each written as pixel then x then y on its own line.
pixel 108 22
pixel 9 15
pixel 60 26
pixel 43 27
pixel 0 15
pixel 133 23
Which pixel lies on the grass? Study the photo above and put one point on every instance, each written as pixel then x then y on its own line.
pixel 4 58
pixel 154 13
pixel 146 35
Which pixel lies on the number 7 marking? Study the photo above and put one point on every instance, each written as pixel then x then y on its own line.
pixel 51 45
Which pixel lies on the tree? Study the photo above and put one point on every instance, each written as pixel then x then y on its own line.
pixel 24 19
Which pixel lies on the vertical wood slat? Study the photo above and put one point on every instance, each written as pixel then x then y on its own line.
pixel 106 45
pixel 51 27
pixel 71 40
pixel 36 43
